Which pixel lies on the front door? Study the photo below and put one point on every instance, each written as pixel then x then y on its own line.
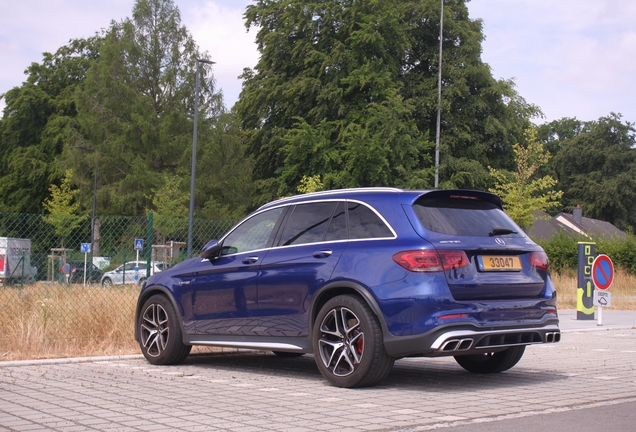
pixel 224 289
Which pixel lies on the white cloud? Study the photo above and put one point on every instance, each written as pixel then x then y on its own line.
pixel 30 27
pixel 573 58
pixel 219 29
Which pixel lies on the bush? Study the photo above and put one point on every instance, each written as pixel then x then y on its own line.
pixel 621 251
pixel 563 251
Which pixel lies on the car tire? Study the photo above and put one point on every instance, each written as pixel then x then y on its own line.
pixel 491 362
pixel 348 344
pixel 107 282
pixel 160 336
pixel 286 354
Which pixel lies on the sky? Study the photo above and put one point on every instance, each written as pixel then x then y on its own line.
pixel 572 58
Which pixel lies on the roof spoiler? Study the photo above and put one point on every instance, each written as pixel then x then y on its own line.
pixel 463 194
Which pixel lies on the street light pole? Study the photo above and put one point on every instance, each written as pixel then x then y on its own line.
pixel 439 93
pixel 194 154
pixel 90 271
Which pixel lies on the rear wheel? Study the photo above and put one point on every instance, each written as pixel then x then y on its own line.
pixel 491 362
pixel 160 336
pixel 347 344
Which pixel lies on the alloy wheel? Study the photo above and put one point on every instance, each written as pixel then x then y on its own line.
pixel 155 330
pixel 341 343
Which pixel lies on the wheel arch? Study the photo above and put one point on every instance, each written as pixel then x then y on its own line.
pixel 149 292
pixel 335 289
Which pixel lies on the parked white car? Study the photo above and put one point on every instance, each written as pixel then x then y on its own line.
pixel 128 271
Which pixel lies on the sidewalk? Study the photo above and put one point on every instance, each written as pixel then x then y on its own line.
pixel 612 320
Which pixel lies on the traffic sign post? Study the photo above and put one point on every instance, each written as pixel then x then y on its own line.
pixel 139 245
pixel 603 276
pixel 66 269
pixel 85 248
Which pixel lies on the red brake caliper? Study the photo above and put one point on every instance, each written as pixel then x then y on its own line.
pixel 360 345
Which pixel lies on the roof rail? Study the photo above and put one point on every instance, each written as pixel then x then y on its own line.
pixel 335 191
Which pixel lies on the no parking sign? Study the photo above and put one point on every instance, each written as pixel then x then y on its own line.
pixel 602 275
pixel 602 272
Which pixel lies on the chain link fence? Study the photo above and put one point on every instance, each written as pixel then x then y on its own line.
pixel 47 298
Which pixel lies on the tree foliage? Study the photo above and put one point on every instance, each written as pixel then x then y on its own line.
pixel 135 107
pixel 348 90
pixel 310 184
pixel 35 124
pixel 521 191
pixel 126 94
pixel 63 207
pixel 596 168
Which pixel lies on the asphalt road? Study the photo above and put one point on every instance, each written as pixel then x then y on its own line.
pixel 601 417
pixel 587 382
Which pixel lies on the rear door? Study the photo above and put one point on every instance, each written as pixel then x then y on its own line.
pixel 308 249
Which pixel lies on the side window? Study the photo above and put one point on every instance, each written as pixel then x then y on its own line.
pixel 364 223
pixel 307 223
pixel 338 226
pixel 252 234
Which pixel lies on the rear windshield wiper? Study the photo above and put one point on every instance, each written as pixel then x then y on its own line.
pixel 501 231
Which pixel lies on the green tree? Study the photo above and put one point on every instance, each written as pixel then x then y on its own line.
pixel 348 90
pixel 224 181
pixel 597 169
pixel 35 125
pixel 135 107
pixel 310 184
pixel 521 192
pixel 63 208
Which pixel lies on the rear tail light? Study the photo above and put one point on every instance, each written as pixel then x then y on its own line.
pixel 539 260
pixel 430 260
pixel 1 263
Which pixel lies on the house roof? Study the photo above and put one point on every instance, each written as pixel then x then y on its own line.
pixel 591 227
pixel 546 227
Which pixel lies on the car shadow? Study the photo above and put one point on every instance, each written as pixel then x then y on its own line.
pixel 428 374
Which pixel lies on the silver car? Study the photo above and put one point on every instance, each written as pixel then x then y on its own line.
pixel 132 272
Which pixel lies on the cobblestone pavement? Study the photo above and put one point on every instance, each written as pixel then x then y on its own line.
pixel 248 391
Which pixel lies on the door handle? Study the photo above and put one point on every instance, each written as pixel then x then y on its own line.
pixel 323 253
pixel 250 260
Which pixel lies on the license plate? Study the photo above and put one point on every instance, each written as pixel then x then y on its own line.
pixel 498 263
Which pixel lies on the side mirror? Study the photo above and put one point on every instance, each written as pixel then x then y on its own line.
pixel 210 250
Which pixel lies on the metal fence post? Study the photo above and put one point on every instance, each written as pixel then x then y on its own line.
pixel 149 250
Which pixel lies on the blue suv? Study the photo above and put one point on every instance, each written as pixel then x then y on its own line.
pixel 360 278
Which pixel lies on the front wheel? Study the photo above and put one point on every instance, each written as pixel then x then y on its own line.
pixel 107 282
pixel 491 362
pixel 347 343
pixel 160 336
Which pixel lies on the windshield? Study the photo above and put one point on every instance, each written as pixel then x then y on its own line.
pixel 464 217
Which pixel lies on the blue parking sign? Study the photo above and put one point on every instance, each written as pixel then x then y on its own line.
pixel 139 244
pixel 85 248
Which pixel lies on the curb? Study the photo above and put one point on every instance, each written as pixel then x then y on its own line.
pixel 68 360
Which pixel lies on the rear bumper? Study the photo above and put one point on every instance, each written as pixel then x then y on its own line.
pixel 464 339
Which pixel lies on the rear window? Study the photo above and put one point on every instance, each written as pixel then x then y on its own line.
pixel 464 217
